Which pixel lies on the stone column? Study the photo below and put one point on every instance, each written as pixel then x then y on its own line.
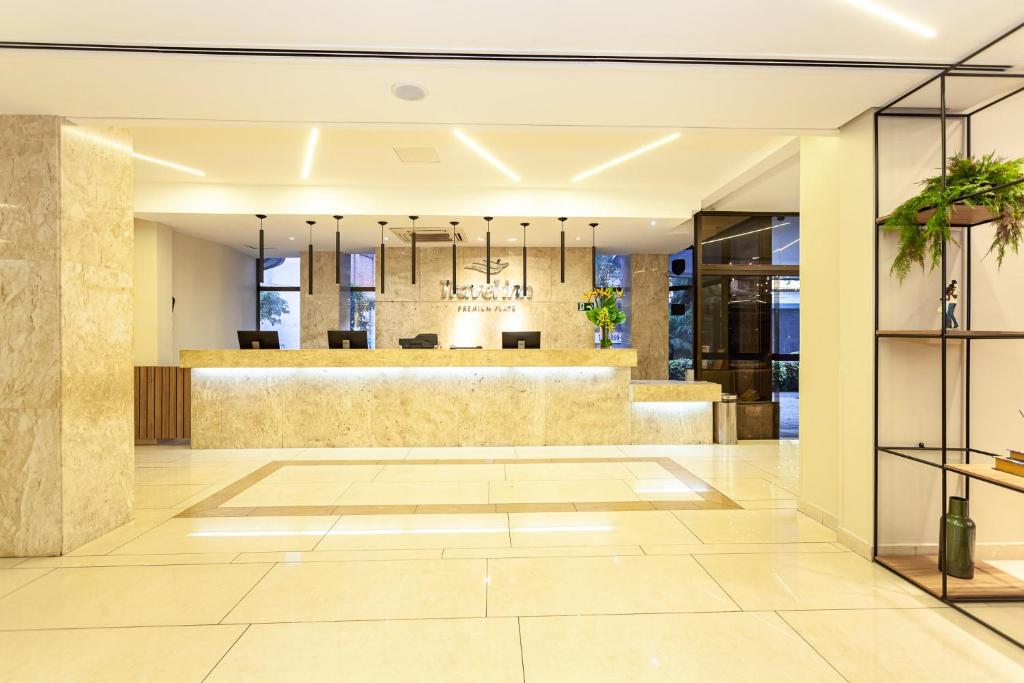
pixel 321 311
pixel 66 388
pixel 650 315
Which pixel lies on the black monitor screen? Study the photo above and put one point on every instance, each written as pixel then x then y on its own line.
pixel 345 339
pixel 258 339
pixel 530 340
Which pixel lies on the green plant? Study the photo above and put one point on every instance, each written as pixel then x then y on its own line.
pixel 273 308
pixel 965 176
pixel 604 311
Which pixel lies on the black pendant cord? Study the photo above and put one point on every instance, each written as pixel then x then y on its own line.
pixel 413 219
pixel 261 216
pixel 487 255
pixel 455 255
pixel 382 224
pixel 309 265
pixel 593 254
pixel 337 249
pixel 561 253
pixel 525 225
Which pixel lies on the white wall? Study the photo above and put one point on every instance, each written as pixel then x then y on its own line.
pixel 214 288
pixel 154 340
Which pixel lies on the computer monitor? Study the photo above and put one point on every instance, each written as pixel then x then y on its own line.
pixel 258 339
pixel 520 340
pixel 347 339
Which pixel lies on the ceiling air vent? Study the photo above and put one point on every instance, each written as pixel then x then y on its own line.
pixel 427 235
pixel 417 155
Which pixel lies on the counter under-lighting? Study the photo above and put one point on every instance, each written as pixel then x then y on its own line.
pixel 436 397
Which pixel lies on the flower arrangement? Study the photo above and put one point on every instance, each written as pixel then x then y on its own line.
pixel 604 311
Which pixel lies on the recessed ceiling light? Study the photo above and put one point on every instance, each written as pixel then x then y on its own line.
pixel 292 238
pixel 487 156
pixel 626 157
pixel 127 148
pixel 307 163
pixel 512 239
pixel 479 239
pixel 577 239
pixel 410 92
pixel 653 223
pixel 895 17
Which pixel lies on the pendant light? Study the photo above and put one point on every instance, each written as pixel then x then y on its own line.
pixel 337 249
pixel 309 268
pixel 382 224
pixel 561 253
pixel 593 254
pixel 413 219
pixel 455 257
pixel 261 216
pixel 525 226
pixel 487 255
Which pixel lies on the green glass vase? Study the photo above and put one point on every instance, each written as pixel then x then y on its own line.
pixel 958 554
pixel 606 338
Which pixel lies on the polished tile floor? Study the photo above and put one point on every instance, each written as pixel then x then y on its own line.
pixel 579 577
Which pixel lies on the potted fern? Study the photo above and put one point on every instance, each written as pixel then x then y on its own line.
pixel 923 222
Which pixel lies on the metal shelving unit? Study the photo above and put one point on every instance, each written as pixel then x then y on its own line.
pixel 990 584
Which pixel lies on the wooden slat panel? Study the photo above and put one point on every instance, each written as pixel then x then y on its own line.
pixel 162 403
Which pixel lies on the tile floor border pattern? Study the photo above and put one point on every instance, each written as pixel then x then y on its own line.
pixel 213 506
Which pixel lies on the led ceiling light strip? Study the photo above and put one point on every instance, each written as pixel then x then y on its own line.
pixel 626 157
pixel 136 155
pixel 307 163
pixel 894 17
pixel 486 156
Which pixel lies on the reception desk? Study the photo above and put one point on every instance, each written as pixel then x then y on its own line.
pixel 436 397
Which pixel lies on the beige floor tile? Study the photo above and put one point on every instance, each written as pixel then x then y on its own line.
pixel 153 654
pixel 647 470
pixel 165 496
pixel 597 528
pixel 464 453
pixel 721 468
pixel 666 451
pixel 669 648
pixel 302 474
pixel 750 488
pixel 742 548
pixel 129 560
pixel 568 452
pixel 341 555
pixel 450 650
pixel 414 493
pixel 781 504
pixel 386 589
pixel 129 596
pixel 230 534
pixel 586 491
pixel 468 473
pixel 571 551
pixel 791 484
pixel 309 493
pixel 112 540
pixel 908 645
pixel 8 562
pixel 662 489
pixel 780 581
pixel 177 476
pixel 13 579
pixel 754 526
pixel 601 585
pixel 355 453
pixel 353 532
pixel 1007 617
pixel 235 455
pixel 567 471
pixel 776 467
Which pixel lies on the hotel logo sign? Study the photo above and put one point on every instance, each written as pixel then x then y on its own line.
pixel 499 290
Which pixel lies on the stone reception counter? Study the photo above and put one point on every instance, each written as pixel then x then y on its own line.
pixel 437 397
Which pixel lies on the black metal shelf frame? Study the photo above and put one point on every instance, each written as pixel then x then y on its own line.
pixel 944 336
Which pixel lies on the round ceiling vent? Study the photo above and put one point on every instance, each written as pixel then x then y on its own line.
pixel 410 92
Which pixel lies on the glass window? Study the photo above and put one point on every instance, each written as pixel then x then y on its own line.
pixel 680 314
pixel 279 300
pixel 281 272
pixel 613 271
pixel 362 296
pixel 750 240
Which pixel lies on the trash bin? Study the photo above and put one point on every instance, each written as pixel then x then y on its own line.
pixel 725 419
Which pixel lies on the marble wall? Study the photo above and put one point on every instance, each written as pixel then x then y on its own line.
pixel 650 315
pixel 320 311
pixel 66 266
pixel 404 309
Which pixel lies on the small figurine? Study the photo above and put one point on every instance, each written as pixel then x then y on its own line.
pixel 951 297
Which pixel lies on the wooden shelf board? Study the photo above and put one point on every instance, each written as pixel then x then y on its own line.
pixel 952 334
pixel 987 473
pixel 962 216
pixel 988 581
